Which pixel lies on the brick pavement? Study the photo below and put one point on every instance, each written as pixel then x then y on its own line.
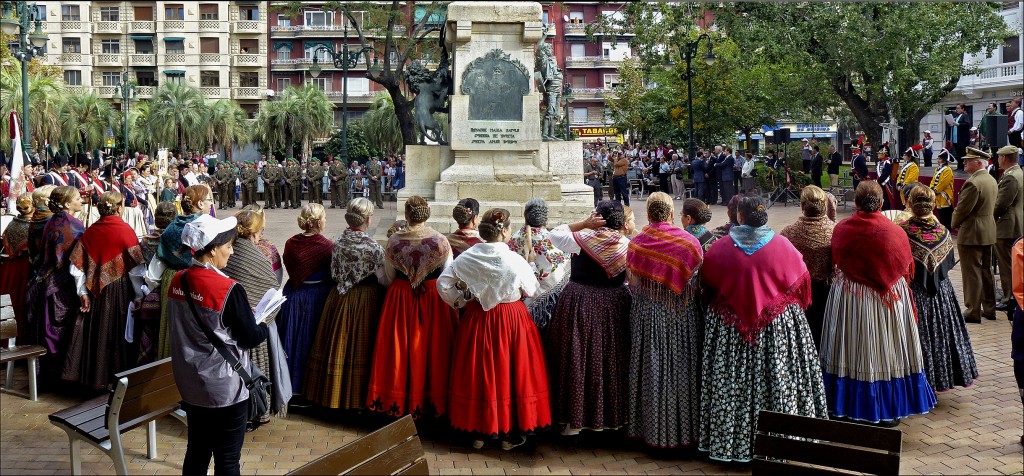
pixel 972 430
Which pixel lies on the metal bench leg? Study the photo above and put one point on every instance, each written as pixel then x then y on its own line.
pixel 10 374
pixel 117 454
pixel 32 393
pixel 76 452
pixel 151 440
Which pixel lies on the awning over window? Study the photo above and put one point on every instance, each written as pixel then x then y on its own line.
pixel 142 37
pixel 174 72
pixel 174 38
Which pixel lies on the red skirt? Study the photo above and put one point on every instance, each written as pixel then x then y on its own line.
pixel 500 382
pixel 412 354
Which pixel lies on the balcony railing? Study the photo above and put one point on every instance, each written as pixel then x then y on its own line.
pixel 142 27
pixel 107 91
pixel 76 90
pixel 144 91
pixel 71 59
pixel 212 91
pixel 174 25
pixel 304 62
pixel 106 59
pixel 591 93
pixel 210 58
pixel 114 27
pixel 210 25
pixel 142 59
pixel 245 26
pixel 175 58
pixel 246 92
pixel 247 60
pixel 74 25
pixel 1001 71
pixel 575 28
pixel 592 61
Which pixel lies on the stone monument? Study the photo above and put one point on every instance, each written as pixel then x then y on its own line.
pixel 496 153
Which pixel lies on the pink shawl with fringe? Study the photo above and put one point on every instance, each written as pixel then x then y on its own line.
pixel 752 290
pixel 665 254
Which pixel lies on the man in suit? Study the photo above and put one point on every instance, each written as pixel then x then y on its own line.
pixel 817 164
pixel 726 172
pixel 835 159
pixel 592 173
pixel 961 133
pixel 1009 214
pixel 858 167
pixel 975 220
pixel 711 178
pixel 697 166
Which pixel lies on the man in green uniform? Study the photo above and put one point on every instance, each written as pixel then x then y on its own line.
pixel 315 175
pixel 217 180
pixel 339 184
pixel 293 183
pixel 232 182
pixel 271 176
pixel 375 171
pixel 249 177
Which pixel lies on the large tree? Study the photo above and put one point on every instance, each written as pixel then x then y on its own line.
pixel 883 60
pixel 177 116
pixel 84 120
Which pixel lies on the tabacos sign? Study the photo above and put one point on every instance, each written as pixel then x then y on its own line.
pixel 595 131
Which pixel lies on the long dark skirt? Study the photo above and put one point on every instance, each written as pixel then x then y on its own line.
pixel 588 348
pixel 297 322
pixel 97 349
pixel 816 311
pixel 52 311
pixel 945 343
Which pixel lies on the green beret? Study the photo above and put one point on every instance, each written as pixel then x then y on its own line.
pixel 316 160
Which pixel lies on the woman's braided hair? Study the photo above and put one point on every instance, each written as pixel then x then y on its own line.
pixel 493 223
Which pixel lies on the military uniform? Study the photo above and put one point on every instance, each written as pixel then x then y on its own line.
pixel 375 171
pixel 249 177
pixel 339 184
pixel 293 184
pixel 315 174
pixel 232 182
pixel 271 176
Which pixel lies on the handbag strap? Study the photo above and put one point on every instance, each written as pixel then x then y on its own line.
pixel 216 341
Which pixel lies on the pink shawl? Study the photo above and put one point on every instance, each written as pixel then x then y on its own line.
pixel 665 254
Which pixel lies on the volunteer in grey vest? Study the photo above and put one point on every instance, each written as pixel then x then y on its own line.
pixel 213 395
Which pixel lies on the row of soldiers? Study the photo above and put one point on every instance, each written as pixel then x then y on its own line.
pixel 282 184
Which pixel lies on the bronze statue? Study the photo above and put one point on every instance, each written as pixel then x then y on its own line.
pixel 432 91
pixel 549 83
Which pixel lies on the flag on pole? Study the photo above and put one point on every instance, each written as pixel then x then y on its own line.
pixel 17 154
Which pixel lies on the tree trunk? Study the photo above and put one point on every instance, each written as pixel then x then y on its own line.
pixel 404 111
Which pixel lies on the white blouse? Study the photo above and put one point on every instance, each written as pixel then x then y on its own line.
pixel 492 273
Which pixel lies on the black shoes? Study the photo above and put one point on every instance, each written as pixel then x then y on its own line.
pixel 1003 306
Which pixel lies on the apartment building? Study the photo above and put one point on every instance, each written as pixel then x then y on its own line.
pixel 219 47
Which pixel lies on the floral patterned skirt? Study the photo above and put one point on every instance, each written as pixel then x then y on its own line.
pixel 779 372
pixel 945 344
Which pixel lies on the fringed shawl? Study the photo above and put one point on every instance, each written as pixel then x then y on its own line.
pixel 170 251
pixel 872 250
pixel 417 253
pixel 463 239
pixel 356 257
pixel 107 251
pixel 704 236
pixel 306 255
pixel 932 248
pixel 812 236
pixel 606 247
pixel 16 237
pixel 59 236
pixel 663 254
pixel 752 290
pixel 251 269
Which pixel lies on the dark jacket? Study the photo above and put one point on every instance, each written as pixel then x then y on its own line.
pixel 726 168
pixel 697 169
pixel 816 164
pixel 835 159
pixel 860 165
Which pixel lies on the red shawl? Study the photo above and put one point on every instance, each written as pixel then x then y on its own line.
pixel 106 252
pixel 305 256
pixel 605 246
pixel 665 254
pixel 752 290
pixel 872 250
pixel 462 240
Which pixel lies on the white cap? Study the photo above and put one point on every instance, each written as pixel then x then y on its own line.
pixel 201 231
pixel 804 140
pixel 974 128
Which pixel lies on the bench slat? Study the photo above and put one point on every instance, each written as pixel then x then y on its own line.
pixel 352 455
pixel 419 468
pixel 145 388
pixel 824 454
pixel 19 352
pixel 393 460
pixel 884 439
pixel 147 372
pixel 81 413
pixel 762 467
pixel 150 403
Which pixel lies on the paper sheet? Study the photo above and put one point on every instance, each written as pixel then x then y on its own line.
pixel 129 329
pixel 269 304
pixel 950 120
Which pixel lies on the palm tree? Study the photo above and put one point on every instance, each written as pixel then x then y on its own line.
pixel 84 120
pixel 46 96
pixel 227 125
pixel 272 128
pixel 311 114
pixel 381 125
pixel 178 114
pixel 139 135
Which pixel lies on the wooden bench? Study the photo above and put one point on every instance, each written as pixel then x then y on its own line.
pixel 394 449
pixel 13 354
pixel 797 445
pixel 141 396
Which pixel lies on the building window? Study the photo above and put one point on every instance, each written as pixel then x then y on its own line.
pixel 144 47
pixel 577 50
pixel 208 11
pixel 249 47
pixel 284 53
pixel 283 21
pixel 111 47
pixel 209 79
pixel 70 13
pixel 41 12
pixel 1011 49
pixel 175 47
pixel 578 81
pixel 611 80
pixel 209 45
pixel 176 78
pixel 248 79
pixel 110 14
pixel 321 54
pixel 71 45
pixel 320 83
pixel 575 17
pixel 249 13
pixel 545 20
pixel 579 115
pixel 143 13
pixel 315 18
pixel 358 86
pixel 283 83
pixel 72 77
pixel 145 78
pixel 111 78
pixel 174 12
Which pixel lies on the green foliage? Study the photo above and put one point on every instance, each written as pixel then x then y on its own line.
pixel 84 120
pixel 178 116
pixel 358 147
pixel 381 126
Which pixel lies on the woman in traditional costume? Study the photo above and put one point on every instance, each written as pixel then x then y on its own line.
pixel 945 342
pixel 147 316
pixel 273 255
pixel 53 304
pixel 730 212
pixel 501 389
pixel 467 216
pixel 550 265
pixel 133 209
pixel 870 347
pixel 250 268
pixel 694 216
pixel 812 237
pixel 338 368
pixel 667 330
pixel 758 350
pixel 588 337
pixel 412 353
pixel 307 259
pixel 14 268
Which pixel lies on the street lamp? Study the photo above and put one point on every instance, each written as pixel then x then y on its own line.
pixel 126 89
pixel 344 60
pixel 688 53
pixel 567 97
pixel 18 18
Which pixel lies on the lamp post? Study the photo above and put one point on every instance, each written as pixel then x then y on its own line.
pixel 126 89
pixel 344 60
pixel 567 97
pixel 18 17
pixel 689 51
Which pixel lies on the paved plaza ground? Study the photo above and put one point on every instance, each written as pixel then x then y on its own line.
pixel 972 430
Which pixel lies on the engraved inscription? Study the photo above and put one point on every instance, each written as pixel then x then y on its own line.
pixel 494 135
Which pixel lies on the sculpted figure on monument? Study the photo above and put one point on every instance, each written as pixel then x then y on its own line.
pixel 549 83
pixel 495 84
pixel 432 90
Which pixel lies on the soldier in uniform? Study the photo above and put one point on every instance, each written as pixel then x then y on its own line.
pixel 249 177
pixel 315 175
pixel 885 169
pixel 231 173
pixel 293 183
pixel 375 171
pixel 219 180
pixel 339 183
pixel 271 175
pixel 909 173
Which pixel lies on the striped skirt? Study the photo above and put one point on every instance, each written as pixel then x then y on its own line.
pixel 871 354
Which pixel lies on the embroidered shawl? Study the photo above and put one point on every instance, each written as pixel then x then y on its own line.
pixel 270 251
pixel 15 237
pixel 59 235
pixel 812 237
pixel 251 269
pixel 549 259
pixel 872 250
pixel 149 244
pixel 417 252
pixel 663 254
pixel 170 250
pixel 605 246
pixel 750 291
pixel 932 247
pixel 463 239
pixel 305 256
pixel 106 252
pixel 704 237
pixel 356 257
pixel 37 238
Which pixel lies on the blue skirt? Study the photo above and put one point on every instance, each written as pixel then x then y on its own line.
pixel 297 322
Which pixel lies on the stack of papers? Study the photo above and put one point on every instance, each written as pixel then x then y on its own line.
pixel 268 306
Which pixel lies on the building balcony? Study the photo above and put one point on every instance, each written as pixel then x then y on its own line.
pixel 71 59
pixel 246 26
pixel 144 92
pixel 575 29
pixel 213 26
pixel 173 25
pixel 214 91
pixel 174 58
pixel 142 59
pixel 76 90
pixel 320 30
pixel 591 93
pixel 592 62
pixel 108 27
pixel 247 92
pixel 74 26
pixel 303 63
pixel 362 97
pixel 106 91
pixel 142 27
pixel 1006 75
pixel 212 58
pixel 106 59
pixel 251 60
